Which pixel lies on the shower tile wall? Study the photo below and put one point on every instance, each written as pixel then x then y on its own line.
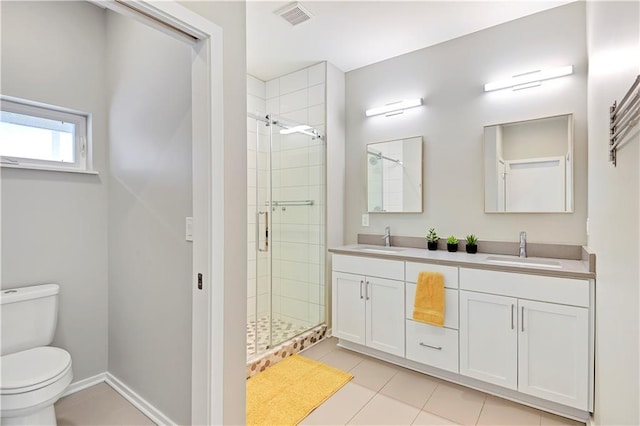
pixel 257 290
pixel 298 174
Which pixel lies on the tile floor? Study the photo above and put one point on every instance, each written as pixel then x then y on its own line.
pixel 258 334
pixel 379 394
pixel 98 405
pixel 384 394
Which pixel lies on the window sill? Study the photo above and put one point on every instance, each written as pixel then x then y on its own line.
pixel 48 168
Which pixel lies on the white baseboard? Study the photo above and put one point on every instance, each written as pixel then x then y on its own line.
pixel 84 383
pixel 140 403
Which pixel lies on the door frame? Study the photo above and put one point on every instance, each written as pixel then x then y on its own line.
pixel 205 38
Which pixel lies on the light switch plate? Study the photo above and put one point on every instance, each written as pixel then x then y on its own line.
pixel 189 229
pixel 365 219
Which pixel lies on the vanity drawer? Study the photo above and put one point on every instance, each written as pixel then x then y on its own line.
pixel 450 273
pixel 567 291
pixel 450 305
pixel 369 266
pixel 434 346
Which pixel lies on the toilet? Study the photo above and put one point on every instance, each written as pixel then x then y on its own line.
pixel 34 375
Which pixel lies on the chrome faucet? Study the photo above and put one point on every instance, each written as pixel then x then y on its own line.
pixel 523 244
pixel 387 236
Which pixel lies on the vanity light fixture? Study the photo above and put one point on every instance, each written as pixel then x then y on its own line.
pixel 529 79
pixel 394 108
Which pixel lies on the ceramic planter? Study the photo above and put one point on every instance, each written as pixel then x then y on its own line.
pixel 472 248
pixel 432 245
pixel 452 247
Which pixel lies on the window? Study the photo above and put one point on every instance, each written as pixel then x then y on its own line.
pixel 42 136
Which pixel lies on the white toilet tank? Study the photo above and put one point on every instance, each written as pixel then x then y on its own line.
pixel 28 317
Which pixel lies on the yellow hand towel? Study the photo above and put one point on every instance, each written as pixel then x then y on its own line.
pixel 428 305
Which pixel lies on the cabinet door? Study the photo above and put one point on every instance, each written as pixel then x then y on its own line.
pixel 489 338
pixel 553 352
pixel 349 307
pixel 385 315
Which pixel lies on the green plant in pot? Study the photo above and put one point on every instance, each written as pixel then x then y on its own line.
pixel 432 239
pixel 472 244
pixel 452 244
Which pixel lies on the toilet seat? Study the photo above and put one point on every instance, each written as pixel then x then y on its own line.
pixel 33 369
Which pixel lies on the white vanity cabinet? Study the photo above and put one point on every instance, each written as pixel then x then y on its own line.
pixel 368 302
pixel 527 333
pixel 428 344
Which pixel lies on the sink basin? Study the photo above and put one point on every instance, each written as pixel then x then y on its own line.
pixel 518 261
pixel 379 249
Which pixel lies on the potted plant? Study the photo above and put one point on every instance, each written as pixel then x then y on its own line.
pixel 432 239
pixel 472 244
pixel 452 244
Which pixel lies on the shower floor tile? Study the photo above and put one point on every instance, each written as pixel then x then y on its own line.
pixel 282 330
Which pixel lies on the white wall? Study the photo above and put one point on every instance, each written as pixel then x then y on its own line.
pixel 335 169
pixel 150 194
pixel 450 78
pixel 54 224
pixel 230 386
pixel 613 30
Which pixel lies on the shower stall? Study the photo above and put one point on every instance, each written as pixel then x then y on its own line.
pixel 286 232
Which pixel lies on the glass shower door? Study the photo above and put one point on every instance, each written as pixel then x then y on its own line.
pixel 286 292
pixel 259 251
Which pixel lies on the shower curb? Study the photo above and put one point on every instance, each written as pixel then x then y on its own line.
pixel 286 349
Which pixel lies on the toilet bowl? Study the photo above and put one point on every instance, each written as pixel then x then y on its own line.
pixel 32 381
pixel 33 375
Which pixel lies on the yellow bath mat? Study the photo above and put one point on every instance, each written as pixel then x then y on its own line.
pixel 287 392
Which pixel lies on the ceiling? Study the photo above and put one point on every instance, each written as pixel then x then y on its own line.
pixel 353 34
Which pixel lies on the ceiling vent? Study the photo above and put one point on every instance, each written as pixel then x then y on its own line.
pixel 294 13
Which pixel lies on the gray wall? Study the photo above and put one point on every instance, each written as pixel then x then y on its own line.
pixel 450 78
pixel 614 209
pixel 54 224
pixel 231 17
pixel 81 212
pixel 150 194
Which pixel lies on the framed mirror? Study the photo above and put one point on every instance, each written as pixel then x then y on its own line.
pixel 394 176
pixel 528 166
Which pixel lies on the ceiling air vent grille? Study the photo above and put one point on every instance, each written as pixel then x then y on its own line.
pixel 294 13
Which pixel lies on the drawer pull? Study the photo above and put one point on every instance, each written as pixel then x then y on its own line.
pixel 523 319
pixel 366 290
pixel 439 348
pixel 361 283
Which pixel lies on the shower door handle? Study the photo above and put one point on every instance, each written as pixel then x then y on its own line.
pixel 266 231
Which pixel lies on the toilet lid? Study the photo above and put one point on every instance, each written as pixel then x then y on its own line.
pixel 31 367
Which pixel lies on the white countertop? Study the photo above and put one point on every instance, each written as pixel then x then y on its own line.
pixel 531 265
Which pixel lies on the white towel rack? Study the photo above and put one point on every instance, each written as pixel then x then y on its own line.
pixel 622 118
